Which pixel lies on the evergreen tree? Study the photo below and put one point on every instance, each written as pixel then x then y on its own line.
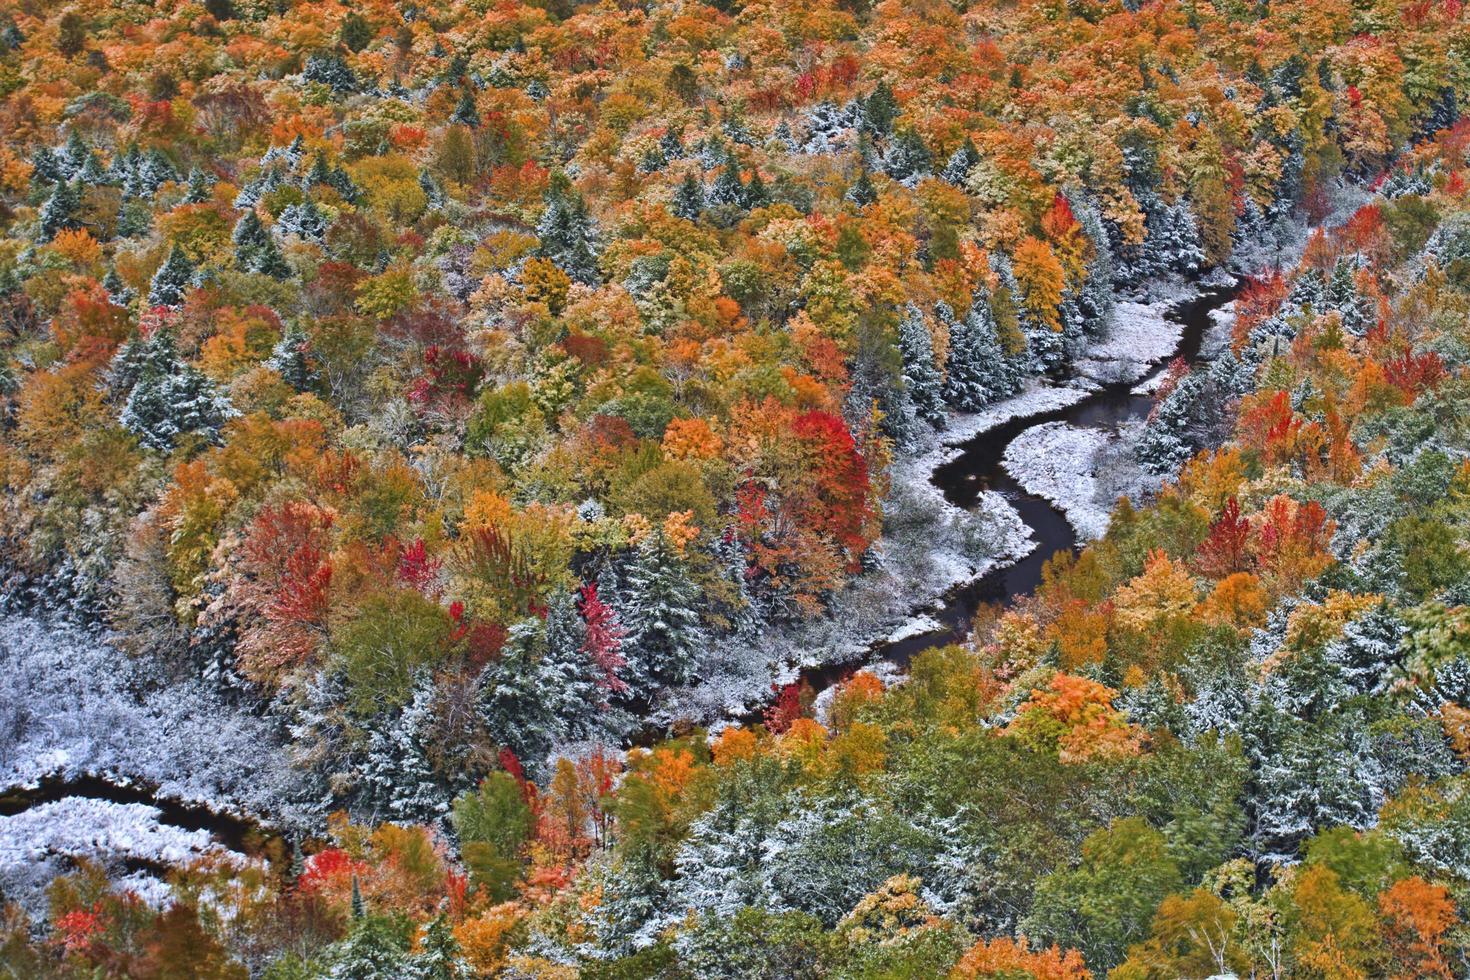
pixel 45 167
pixel 156 170
pixel 438 957
pixel 961 162
pixel 134 218
pixel 376 948
pixel 573 681
pixel 255 249
pixel 61 211
pixel 200 185
pixel 520 700
pixel 567 233
pixel 862 192
pixel 290 358
pixel 756 194
pixel 162 407
pixel 74 155
pixel 466 113
pixel 879 111
pixel 907 159
pixel 398 780
pixel 689 199
pixel 728 188
pixel 172 279
pixel 921 377
pixel 356 33
pixel 1095 297
pixel 330 70
pixel 977 371
pixel 305 220
pixel 664 630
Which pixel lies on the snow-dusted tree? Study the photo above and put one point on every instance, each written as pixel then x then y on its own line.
pixel 688 200
pixel 466 113
pixel 305 220
pixel 921 378
pixel 255 249
pixel 728 188
pixel 166 398
pixel 1172 243
pixel 517 702
pixel 573 681
pixel 567 233
pixel 397 777
pixel 862 192
pixel 907 159
pixel 157 169
pixel 1356 310
pixel 1095 297
pixel 961 162
pixel 660 612
pixel 290 358
pixel 172 279
pixel 45 167
pixel 200 186
pixel 61 211
pixel 1310 777
pixel 330 70
pixel 977 371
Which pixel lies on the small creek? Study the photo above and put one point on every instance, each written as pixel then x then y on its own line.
pixel 978 467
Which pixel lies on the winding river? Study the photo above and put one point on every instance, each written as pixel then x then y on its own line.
pixel 978 468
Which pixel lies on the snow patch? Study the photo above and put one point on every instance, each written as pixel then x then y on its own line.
pixel 1057 461
pixel 1140 335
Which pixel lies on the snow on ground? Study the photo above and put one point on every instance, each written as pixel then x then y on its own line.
pixel 44 841
pixel 72 704
pixel 1139 336
pixel 1058 461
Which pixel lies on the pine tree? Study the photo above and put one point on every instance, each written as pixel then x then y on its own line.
pixel 567 233
pixel 1095 298
pixel 520 700
pixel 61 211
pixel 45 167
pixel 200 185
pixel 155 171
pixel 305 220
pixel 921 377
pixel 466 113
pixel 74 155
pixel 163 407
pixel 573 681
pixel 398 780
pixel 332 71
pixel 134 218
pixel 862 192
pixel 255 249
pixel 907 158
pixel 438 957
pixel 756 194
pixel 961 162
pixel 290 358
pixel 728 188
pixel 879 111
pixel 978 371
pixel 689 199
pixel 664 630
pixel 171 280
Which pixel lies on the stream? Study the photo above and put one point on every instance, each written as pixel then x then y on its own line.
pixel 975 469
pixel 978 468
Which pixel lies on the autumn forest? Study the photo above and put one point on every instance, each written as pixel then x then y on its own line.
pixel 661 489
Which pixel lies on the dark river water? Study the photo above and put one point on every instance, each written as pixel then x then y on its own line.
pixel 978 468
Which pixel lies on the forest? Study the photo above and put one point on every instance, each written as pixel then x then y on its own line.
pixel 494 488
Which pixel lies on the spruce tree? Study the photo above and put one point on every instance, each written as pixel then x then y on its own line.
pixel 519 701
pixel 728 188
pixel 398 779
pixel 61 211
pixel 291 360
pixel 908 158
pixel 961 162
pixel 567 233
pixel 200 185
pixel 689 199
pixel 879 111
pixel 977 371
pixel 305 220
pixel 660 613
pixel 921 377
pixel 862 192
pixel 163 407
pixel 255 249
pixel 172 279
pixel 466 113
pixel 572 679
